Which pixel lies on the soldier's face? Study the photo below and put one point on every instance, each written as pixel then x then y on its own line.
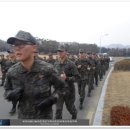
pixel 81 55
pixel 23 52
pixel 62 54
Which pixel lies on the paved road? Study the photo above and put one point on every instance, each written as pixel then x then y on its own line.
pixel 90 104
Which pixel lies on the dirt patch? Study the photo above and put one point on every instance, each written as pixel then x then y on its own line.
pixel 118 93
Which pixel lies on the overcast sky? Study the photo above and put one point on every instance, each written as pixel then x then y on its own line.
pixel 84 22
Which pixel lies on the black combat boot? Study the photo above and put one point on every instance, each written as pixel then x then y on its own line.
pixel 2 84
pixel 13 110
pixel 74 116
pixel 81 106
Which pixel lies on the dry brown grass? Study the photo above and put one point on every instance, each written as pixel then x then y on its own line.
pixel 118 93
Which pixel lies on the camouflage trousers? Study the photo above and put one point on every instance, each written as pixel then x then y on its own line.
pixel 3 78
pixel 39 114
pixel 69 100
pixel 96 77
pixel 91 82
pixel 81 89
pixel 101 72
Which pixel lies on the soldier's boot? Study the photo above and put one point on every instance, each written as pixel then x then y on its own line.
pixel 74 116
pixel 81 104
pixel 2 83
pixel 89 95
pixel 13 110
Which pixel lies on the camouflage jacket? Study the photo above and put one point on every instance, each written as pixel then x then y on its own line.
pixel 39 79
pixel 69 68
pixel 85 67
pixel 3 65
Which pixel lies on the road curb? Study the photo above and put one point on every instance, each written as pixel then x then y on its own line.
pixel 99 111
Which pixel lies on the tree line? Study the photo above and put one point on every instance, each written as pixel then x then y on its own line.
pixel 46 46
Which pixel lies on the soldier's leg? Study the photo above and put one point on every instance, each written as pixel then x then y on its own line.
pixel 96 78
pixel 69 101
pixel 48 114
pixel 59 108
pixel 100 74
pixel 13 110
pixel 3 78
pixel 89 86
pixel 102 71
pixel 82 94
pixel 79 86
pixel 92 81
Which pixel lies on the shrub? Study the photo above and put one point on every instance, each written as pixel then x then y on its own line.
pixel 123 65
pixel 120 115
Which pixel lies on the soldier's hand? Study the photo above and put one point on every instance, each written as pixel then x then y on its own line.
pixel 14 95
pixel 88 68
pixel 63 76
pixel 46 103
pixel 79 66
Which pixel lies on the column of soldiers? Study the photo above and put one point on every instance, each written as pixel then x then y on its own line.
pixel 29 81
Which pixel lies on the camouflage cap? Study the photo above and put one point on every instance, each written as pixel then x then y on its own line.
pixel 81 51
pixel 22 36
pixel 61 48
pixel 89 53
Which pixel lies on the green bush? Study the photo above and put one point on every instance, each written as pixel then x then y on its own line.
pixel 123 65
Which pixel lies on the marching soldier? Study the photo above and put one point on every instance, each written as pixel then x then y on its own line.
pixel 3 68
pixel 83 66
pixel 10 62
pixel 51 60
pixel 30 80
pixel 91 74
pixel 68 72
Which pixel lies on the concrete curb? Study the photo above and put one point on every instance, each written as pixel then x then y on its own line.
pixel 98 115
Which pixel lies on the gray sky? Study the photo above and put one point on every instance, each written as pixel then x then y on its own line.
pixel 85 22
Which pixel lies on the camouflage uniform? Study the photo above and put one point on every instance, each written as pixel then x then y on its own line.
pixel 69 68
pixel 32 88
pixel 91 75
pixel 51 60
pixel 10 63
pixel 39 78
pixel 102 67
pixel 96 70
pixel 3 69
pixel 84 76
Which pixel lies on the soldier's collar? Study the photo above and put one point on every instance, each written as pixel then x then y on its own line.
pixel 34 68
pixel 62 60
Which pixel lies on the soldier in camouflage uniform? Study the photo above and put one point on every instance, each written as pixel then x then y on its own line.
pixel 83 66
pixel 96 70
pixel 51 60
pixel 3 68
pixel 91 74
pixel 68 72
pixel 29 81
pixel 102 67
pixel 10 62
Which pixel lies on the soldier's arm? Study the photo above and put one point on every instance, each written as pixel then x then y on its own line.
pixel 74 74
pixel 10 93
pixel 54 79
pixel 7 85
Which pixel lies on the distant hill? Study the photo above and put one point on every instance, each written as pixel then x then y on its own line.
pixel 120 46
